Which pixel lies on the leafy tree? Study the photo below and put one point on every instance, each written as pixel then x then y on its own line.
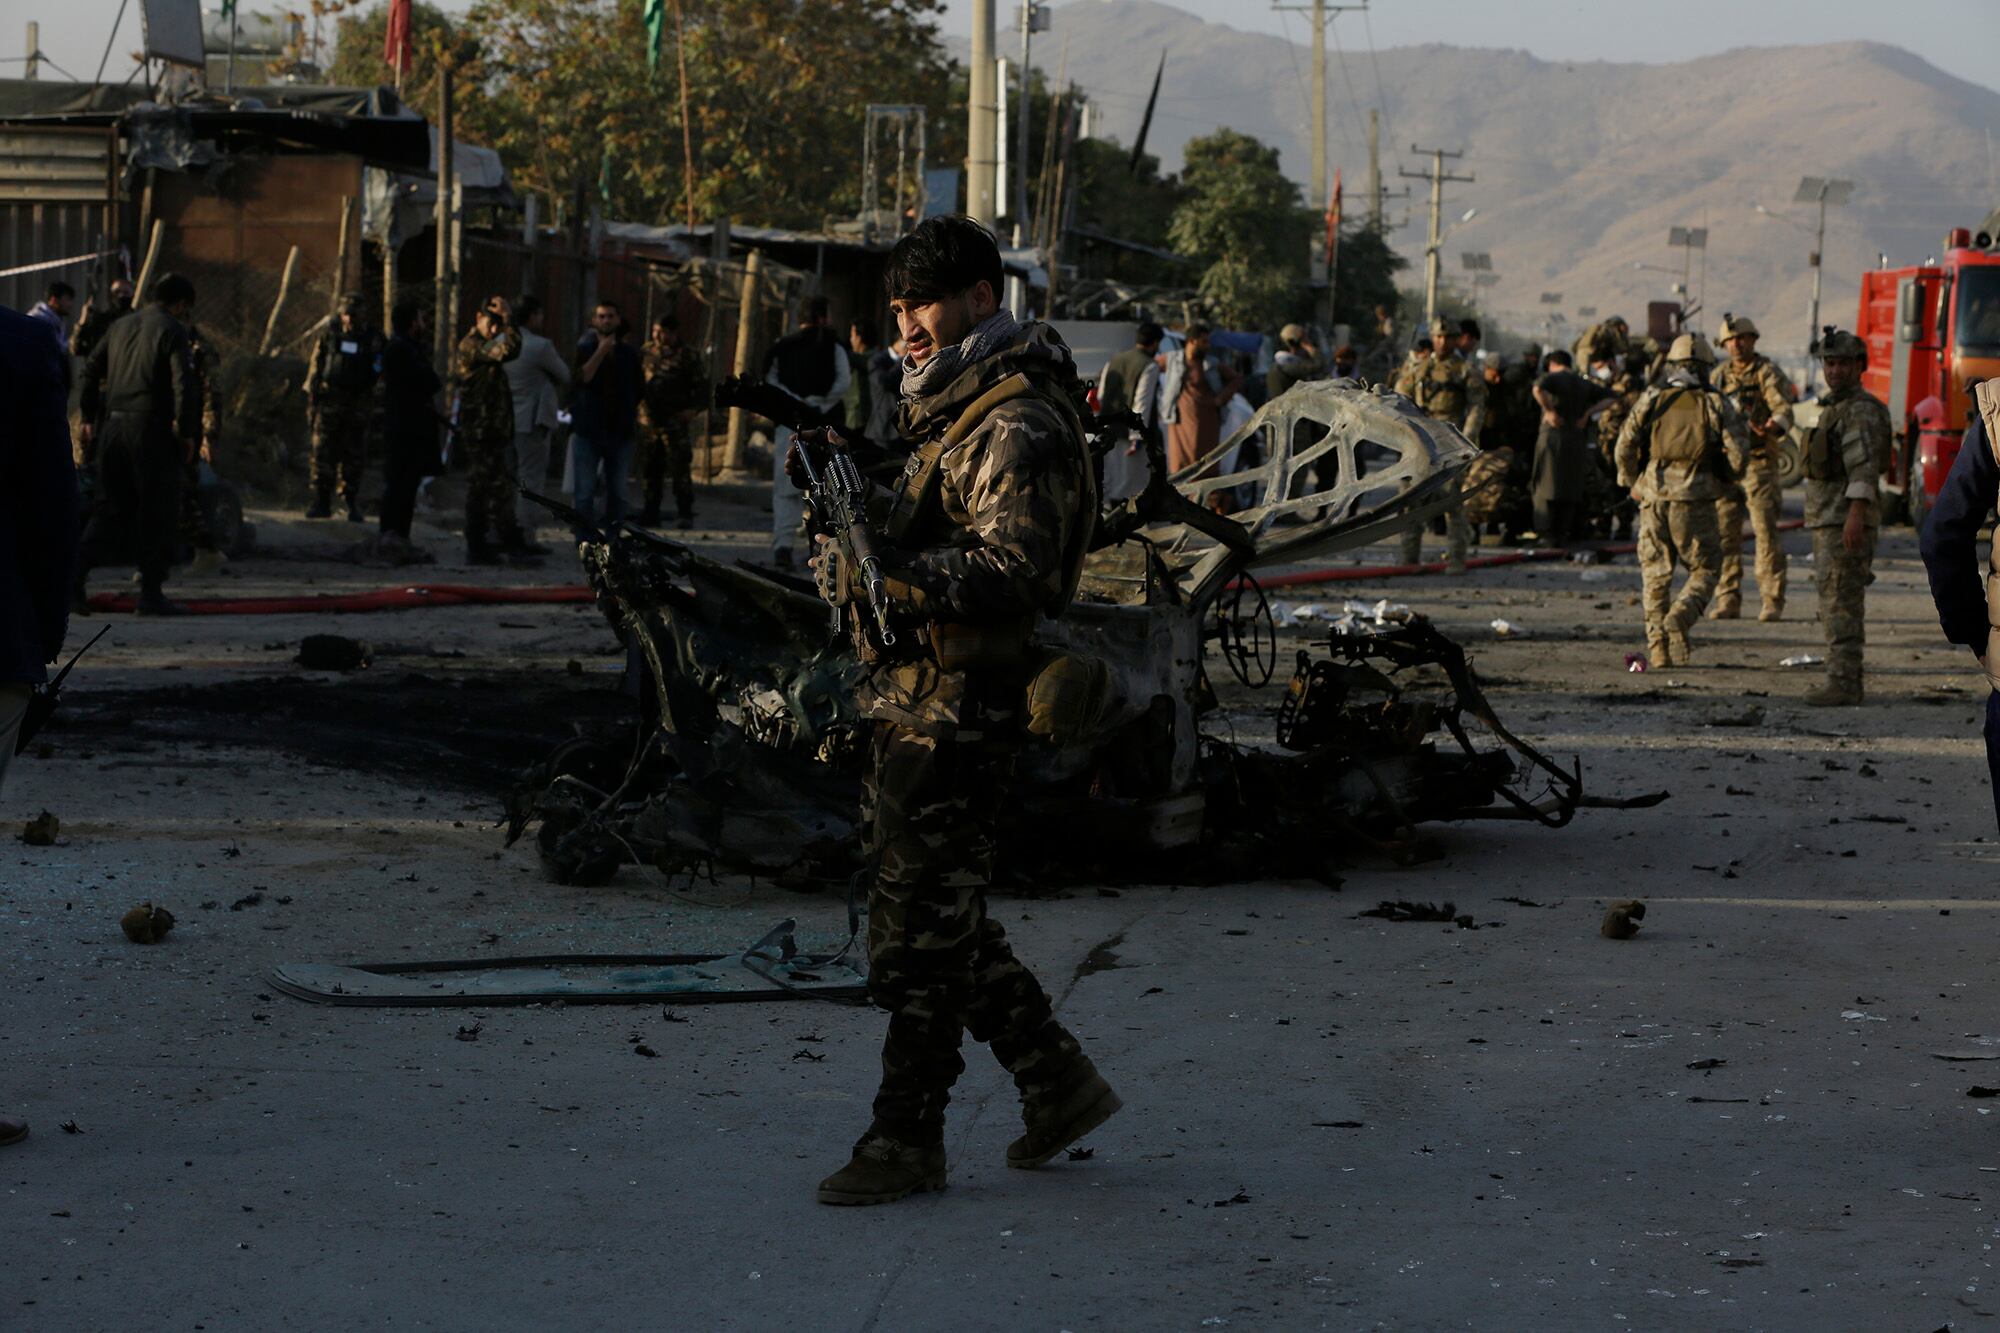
pixel 358 63
pixel 1364 276
pixel 1243 218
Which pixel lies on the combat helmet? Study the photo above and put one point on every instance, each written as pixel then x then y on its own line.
pixel 1835 342
pixel 1735 326
pixel 352 303
pixel 1443 328
pixel 1691 347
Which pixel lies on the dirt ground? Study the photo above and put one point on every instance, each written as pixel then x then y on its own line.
pixel 1739 1119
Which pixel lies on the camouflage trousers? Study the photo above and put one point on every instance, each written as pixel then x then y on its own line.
pixel 1670 532
pixel 1487 494
pixel 666 454
pixel 194 525
pixel 489 489
pixel 1758 493
pixel 937 960
pixel 1458 534
pixel 340 445
pixel 1843 580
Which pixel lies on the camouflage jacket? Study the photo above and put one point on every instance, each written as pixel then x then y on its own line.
pixel 1655 479
pixel 485 400
pixel 1449 388
pixel 987 522
pixel 201 360
pixel 674 380
pixel 1757 387
pixel 1625 391
pixel 335 371
pixel 1844 454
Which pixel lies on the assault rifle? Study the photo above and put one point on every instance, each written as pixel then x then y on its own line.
pixel 837 496
pixel 45 698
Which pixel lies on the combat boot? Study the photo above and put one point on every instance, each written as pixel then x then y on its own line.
pixel 883 1170
pixel 1678 647
pixel 1726 608
pixel 1772 613
pixel 153 602
pixel 1657 656
pixel 1080 1104
pixel 1838 692
pixel 321 507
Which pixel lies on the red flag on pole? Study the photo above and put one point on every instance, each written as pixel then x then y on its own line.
pixel 398 44
pixel 1333 222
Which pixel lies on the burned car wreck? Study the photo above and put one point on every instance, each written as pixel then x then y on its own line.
pixel 747 752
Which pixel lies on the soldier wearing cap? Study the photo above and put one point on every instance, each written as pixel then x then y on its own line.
pixel 1844 456
pixel 340 394
pixel 1681 444
pixel 1751 381
pixel 1446 386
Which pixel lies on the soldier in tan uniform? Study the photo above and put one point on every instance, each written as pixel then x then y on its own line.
pixel 1843 508
pixel 1682 443
pixel 1450 388
pixel 1757 387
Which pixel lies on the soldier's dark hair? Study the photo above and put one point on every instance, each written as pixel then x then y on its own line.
pixel 1469 327
pixel 173 289
pixel 870 334
pixel 816 308
pixel 526 309
pixel 403 315
pixel 944 256
pixel 59 290
pixel 1149 333
pixel 1198 330
pixel 1560 360
pixel 1426 345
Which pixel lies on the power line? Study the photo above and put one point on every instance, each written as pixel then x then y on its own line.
pixel 1380 105
pixel 105 59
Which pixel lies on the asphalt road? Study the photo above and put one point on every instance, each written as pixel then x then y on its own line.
pixel 1739 1119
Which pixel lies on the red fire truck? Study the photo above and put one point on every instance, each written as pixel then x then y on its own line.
pixel 1933 333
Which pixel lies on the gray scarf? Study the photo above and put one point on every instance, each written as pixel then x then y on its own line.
pixel 998 330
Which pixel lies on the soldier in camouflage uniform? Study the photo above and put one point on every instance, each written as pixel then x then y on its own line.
pixel 1448 387
pixel 676 389
pixel 1844 456
pixel 1608 508
pixel 340 393
pixel 985 536
pixel 1681 444
pixel 208 558
pixel 1757 387
pixel 486 433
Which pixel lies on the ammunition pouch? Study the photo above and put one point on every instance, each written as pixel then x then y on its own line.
pixel 1066 696
pixel 1823 460
pixel 958 645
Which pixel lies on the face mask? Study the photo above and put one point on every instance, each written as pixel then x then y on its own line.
pixel 1602 372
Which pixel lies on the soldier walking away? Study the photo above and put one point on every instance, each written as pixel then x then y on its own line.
pixel 142 416
pixel 810 365
pixel 986 536
pixel 486 430
pixel 38 516
pixel 340 394
pixel 1757 387
pixel 676 389
pixel 1682 443
pixel 410 422
pixel 195 531
pixel 1968 606
pixel 1445 386
pixel 1844 457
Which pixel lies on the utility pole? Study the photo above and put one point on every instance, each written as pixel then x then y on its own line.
pixel 1815 190
pixel 444 336
pixel 34 69
pixel 981 130
pixel 1375 169
pixel 1437 177
pixel 1319 9
pixel 1034 17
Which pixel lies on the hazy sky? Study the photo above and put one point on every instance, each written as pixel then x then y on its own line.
pixel 1961 37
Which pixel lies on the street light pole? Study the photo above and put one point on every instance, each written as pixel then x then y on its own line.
pixel 981 133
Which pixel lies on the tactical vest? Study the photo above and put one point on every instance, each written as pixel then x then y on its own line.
pixel 1987 397
pixel 918 512
pixel 1440 388
pixel 1824 460
pixel 350 360
pixel 1680 431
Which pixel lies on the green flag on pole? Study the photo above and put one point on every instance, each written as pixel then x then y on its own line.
pixel 229 9
pixel 656 31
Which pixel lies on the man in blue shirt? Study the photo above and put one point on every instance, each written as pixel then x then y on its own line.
pixel 1950 544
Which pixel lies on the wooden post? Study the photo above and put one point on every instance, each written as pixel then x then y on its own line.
pixel 446 276
pixel 278 306
pixel 340 260
pixel 146 268
pixel 388 281
pixel 457 289
pixel 687 133
pixel 746 347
